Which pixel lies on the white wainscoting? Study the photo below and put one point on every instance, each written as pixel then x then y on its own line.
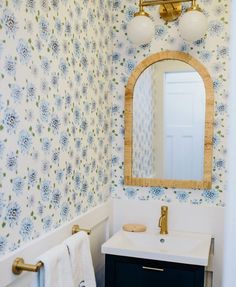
pixel 182 217
pixel 98 219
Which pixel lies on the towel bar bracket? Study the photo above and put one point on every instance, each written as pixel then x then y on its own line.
pixel 19 266
pixel 76 228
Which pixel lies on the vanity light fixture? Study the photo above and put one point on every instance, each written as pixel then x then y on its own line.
pixel 192 24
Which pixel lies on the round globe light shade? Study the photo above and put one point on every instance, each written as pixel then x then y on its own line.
pixel 193 25
pixel 140 30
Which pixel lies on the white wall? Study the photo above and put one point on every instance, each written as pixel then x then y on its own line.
pixel 182 217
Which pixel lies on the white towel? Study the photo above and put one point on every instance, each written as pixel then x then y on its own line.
pixel 81 260
pixel 56 270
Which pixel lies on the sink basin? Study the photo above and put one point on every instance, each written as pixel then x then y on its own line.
pixel 179 247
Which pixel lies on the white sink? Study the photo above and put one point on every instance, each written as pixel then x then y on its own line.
pixel 180 247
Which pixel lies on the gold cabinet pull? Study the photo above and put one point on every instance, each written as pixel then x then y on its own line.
pixel 153 269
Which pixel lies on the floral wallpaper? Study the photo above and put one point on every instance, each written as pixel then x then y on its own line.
pixel 142 125
pixel 55 114
pixel 213 52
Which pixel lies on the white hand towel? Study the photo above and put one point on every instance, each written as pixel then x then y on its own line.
pixel 81 260
pixel 56 270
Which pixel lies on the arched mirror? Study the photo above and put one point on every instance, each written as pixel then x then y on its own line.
pixel 169 107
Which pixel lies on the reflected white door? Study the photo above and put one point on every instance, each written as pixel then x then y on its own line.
pixel 184 118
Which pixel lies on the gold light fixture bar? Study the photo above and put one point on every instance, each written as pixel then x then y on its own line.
pixel 170 10
pixel 162 2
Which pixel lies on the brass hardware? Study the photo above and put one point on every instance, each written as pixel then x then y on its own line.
pixel 153 269
pixel 76 228
pixel 170 10
pixel 163 221
pixel 19 266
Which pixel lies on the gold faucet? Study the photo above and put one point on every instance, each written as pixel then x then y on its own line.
pixel 163 221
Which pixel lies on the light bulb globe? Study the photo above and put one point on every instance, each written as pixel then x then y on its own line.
pixel 193 25
pixel 141 30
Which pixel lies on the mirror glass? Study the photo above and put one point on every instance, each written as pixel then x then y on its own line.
pixel 169 122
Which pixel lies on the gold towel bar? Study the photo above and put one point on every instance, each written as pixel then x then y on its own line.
pixel 19 264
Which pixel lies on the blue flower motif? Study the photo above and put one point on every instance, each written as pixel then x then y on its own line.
pixel 59 175
pixel 32 177
pixel 65 209
pixel 68 28
pixel 45 166
pixel 45 190
pixel 24 51
pixel 84 187
pixel 56 197
pixel 54 46
pixel 55 156
pixel 55 123
pixel 156 192
pixel 25 141
pixel 221 108
pixel 129 13
pixel 10 66
pixel 160 31
pixel 26 228
pixel 77 50
pixel 10 23
pixel 11 161
pixel 2 148
pixel 30 4
pixel 46 145
pixel 63 67
pixel 45 65
pixel 215 28
pixel 44 110
pixel 205 56
pixel 58 25
pixel 44 28
pixel 54 80
pixel 77 181
pixel 129 66
pixel 220 164
pixel 182 196
pixel 64 140
pixel 55 4
pixel 210 195
pixel 31 91
pixel 130 192
pixel 90 198
pixel 3 245
pixel 222 52
pixel 13 213
pixel 18 185
pixel 78 208
pixel 47 223
pixel 58 102
pixel 16 93
pixel 10 120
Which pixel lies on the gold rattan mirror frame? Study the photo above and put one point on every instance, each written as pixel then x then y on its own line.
pixel 209 116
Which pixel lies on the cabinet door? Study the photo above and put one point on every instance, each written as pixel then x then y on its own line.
pixel 135 272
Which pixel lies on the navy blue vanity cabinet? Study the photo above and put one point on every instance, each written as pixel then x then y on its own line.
pixel 136 272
